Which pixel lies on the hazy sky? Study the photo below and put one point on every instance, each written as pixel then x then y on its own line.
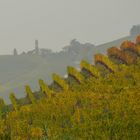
pixel 55 22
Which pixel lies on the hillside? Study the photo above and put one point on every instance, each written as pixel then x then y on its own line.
pixel 100 101
pixel 103 47
pixel 29 68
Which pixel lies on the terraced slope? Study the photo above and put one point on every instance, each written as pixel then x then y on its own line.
pixel 96 102
pixel 28 69
pixel 103 65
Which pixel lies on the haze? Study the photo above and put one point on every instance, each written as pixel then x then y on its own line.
pixel 55 22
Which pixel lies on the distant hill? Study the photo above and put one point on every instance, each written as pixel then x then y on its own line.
pixel 103 47
pixel 134 32
pixel 17 71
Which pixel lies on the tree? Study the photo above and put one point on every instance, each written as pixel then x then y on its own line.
pixel 23 53
pixel 45 52
pixel 135 30
pixel 15 52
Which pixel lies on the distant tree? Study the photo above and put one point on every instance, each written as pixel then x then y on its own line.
pixel 30 52
pixel 74 42
pixel 78 51
pixel 23 53
pixel 15 53
pixel 45 52
pixel 135 30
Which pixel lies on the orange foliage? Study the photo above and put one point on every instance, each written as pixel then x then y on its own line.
pixel 128 45
pixel 138 39
pixel 124 56
pixel 98 57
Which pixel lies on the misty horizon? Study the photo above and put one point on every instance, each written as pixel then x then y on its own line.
pixel 56 23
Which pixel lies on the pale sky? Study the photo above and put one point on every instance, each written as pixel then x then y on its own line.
pixel 55 22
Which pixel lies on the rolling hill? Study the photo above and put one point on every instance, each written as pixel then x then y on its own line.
pixel 29 68
pixel 99 101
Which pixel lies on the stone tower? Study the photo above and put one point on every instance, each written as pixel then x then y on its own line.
pixel 36 47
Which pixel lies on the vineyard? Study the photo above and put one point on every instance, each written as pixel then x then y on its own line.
pixel 101 101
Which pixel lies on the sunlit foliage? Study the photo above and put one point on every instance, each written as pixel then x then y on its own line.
pixel 45 89
pixel 90 68
pixel 104 60
pixel 60 81
pixel 107 108
pixel 75 73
